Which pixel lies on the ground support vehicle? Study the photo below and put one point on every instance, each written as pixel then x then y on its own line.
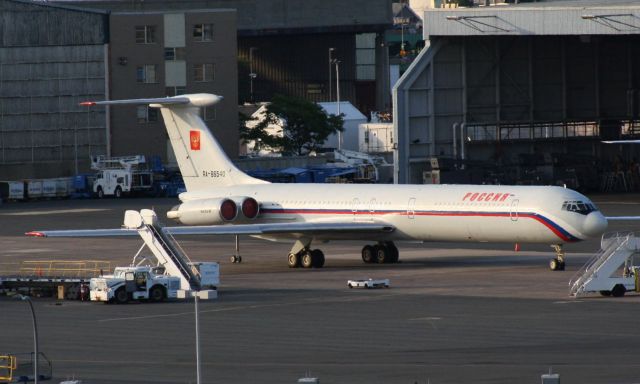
pixel 612 271
pixel 134 283
pixel 118 176
pixel 171 275
pixel 368 283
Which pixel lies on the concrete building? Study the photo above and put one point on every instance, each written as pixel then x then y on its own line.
pixel 157 54
pixel 287 46
pixel 500 83
pixel 51 58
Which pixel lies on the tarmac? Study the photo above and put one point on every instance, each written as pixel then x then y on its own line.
pixel 455 313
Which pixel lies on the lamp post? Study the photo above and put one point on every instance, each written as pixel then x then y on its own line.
pixel 337 62
pixel 330 70
pixel 35 337
pixel 195 297
pixel 252 75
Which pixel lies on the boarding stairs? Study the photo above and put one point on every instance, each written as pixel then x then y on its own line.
pixel 599 274
pixel 167 251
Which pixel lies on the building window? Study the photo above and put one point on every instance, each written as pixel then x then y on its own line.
pixel 146 74
pixel 203 32
pixel 175 91
pixel 146 114
pixel 209 113
pixel 171 54
pixel 203 72
pixel 145 34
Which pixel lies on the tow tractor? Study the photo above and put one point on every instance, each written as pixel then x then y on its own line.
pixel 171 275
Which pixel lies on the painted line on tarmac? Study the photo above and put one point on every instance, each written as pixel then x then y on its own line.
pixel 245 307
pixel 53 212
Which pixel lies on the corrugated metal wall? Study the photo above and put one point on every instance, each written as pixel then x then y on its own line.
pixel 522 84
pixel 45 71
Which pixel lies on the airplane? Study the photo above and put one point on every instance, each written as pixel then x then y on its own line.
pixel 221 199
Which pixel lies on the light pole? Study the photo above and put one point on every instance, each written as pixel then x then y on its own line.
pixel 252 75
pixel 35 337
pixel 337 62
pixel 195 297
pixel 330 70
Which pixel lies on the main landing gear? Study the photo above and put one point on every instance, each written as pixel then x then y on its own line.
pixel 303 256
pixel 557 264
pixel 236 258
pixel 383 252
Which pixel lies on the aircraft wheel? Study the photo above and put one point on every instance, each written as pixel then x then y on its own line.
pixel 293 260
pixel 556 265
pixel 618 291
pixel 382 254
pixel 394 254
pixel 317 258
pixel 306 260
pixel 121 296
pixel 367 254
pixel 236 259
pixel 156 294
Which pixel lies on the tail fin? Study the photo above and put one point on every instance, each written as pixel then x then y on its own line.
pixel 202 161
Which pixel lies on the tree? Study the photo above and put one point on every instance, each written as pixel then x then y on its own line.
pixel 305 126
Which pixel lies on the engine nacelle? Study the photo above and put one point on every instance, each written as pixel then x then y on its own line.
pixel 249 208
pixel 204 212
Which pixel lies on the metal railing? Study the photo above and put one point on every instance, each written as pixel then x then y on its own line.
pixel 179 256
pixel 55 268
pixel 20 368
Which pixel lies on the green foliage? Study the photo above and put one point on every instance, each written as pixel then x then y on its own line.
pixel 306 126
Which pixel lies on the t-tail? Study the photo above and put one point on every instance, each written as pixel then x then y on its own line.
pixel 202 161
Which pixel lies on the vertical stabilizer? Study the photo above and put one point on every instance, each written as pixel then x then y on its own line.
pixel 202 161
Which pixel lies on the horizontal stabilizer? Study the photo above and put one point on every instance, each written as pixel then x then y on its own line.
pixel 194 100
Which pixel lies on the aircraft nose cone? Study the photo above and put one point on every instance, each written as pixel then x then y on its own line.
pixel 595 224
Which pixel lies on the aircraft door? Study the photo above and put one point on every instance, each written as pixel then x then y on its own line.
pixel 514 210
pixel 373 206
pixel 411 208
pixel 355 206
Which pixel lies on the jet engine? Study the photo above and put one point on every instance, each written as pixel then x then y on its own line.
pixel 249 207
pixel 204 212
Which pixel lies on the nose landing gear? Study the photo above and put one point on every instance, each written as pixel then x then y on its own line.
pixel 557 264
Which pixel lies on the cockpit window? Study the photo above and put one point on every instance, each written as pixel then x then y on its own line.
pixel 580 207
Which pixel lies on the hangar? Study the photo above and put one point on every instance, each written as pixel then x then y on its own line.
pixel 530 89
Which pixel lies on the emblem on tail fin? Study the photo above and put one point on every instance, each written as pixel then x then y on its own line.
pixel 194 138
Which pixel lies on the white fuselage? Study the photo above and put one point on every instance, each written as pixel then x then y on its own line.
pixel 490 213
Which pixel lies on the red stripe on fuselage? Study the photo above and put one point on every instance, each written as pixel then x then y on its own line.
pixel 536 217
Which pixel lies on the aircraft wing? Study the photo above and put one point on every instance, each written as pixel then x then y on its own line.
pixel 240 229
pixel 281 228
pixel 621 218
pixel 621 141
pixel 84 233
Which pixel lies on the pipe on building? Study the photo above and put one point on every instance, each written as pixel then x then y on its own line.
pixel 455 139
pixel 463 136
